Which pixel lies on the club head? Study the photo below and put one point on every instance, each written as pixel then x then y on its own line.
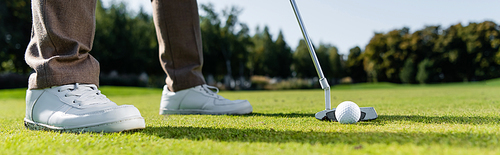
pixel 367 114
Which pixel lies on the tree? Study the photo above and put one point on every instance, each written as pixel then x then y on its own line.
pixel 15 26
pixel 224 42
pixel 124 42
pixel 323 55
pixel 243 40
pixel 264 56
pixel 426 72
pixel 482 41
pixel 373 57
pixel 354 65
pixel 416 47
pixel 451 56
pixel 336 63
pixel 283 59
pixel 302 63
pixel 394 57
pixel 408 73
pixel 210 33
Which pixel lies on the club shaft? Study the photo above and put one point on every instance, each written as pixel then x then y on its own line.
pixel 308 41
pixel 322 80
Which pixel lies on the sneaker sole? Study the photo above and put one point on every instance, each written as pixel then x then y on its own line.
pixel 242 111
pixel 131 124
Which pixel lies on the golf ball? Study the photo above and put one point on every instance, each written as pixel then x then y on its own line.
pixel 347 112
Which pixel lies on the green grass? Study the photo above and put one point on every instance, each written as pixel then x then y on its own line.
pixel 413 119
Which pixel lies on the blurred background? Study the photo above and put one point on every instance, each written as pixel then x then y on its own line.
pixel 258 44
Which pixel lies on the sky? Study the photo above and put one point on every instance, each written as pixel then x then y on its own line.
pixel 349 23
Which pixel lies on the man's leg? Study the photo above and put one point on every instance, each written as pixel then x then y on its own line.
pixel 63 94
pixel 62 36
pixel 178 31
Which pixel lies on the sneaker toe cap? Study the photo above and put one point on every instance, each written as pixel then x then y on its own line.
pixel 89 118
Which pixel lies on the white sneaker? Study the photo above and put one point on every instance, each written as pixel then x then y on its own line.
pixel 201 100
pixel 78 108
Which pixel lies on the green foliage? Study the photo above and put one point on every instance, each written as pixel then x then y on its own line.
pixel 210 33
pixel 458 53
pixel 384 56
pixel 270 57
pixel 426 72
pixel 15 30
pixel 415 47
pixel 408 72
pixel 125 42
pixel 354 65
pixel 482 40
pixel 302 63
pixel 372 59
pixel 280 60
pixel 454 60
pixel 330 60
pixel 223 41
pixel 323 54
pixel 262 54
pixel 336 63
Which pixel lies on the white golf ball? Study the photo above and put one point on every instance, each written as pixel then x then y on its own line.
pixel 347 112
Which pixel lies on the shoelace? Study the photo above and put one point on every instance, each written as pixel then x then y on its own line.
pixel 209 89
pixel 86 94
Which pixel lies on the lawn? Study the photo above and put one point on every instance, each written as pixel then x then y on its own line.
pixel 413 119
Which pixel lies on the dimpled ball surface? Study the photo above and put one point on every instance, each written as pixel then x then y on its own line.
pixel 347 112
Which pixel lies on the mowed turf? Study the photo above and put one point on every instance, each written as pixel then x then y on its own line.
pixel 413 119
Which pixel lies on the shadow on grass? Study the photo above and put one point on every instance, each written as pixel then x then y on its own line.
pixel 474 120
pixel 381 120
pixel 287 115
pixel 274 136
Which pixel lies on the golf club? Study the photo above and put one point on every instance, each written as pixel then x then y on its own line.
pixel 367 113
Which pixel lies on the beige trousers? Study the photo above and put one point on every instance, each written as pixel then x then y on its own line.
pixel 63 33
